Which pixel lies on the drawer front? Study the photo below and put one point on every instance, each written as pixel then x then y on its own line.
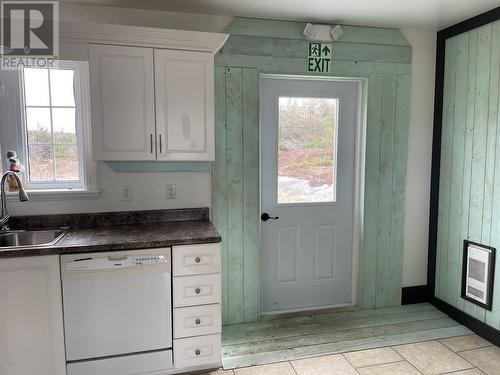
pixel 197 290
pixel 196 259
pixel 197 321
pixel 196 351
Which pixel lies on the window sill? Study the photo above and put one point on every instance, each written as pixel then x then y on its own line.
pixel 56 194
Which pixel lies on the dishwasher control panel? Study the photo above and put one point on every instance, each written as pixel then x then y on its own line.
pixel 114 262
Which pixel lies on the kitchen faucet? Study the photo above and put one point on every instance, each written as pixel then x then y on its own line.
pixel 23 197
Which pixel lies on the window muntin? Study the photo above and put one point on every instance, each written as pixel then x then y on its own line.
pixel 53 129
pixel 307 150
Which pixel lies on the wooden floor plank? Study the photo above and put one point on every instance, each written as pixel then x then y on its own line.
pixel 319 326
pixel 331 336
pixel 302 335
pixel 299 319
pixel 342 347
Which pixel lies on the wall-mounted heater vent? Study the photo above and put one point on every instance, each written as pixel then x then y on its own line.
pixel 477 274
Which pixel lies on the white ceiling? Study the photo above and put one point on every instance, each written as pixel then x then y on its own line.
pixel 433 14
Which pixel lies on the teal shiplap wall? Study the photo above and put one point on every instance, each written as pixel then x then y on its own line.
pixel 469 190
pixel 236 186
pixel 382 58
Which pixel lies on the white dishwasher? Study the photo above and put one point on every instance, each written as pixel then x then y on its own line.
pixel 118 312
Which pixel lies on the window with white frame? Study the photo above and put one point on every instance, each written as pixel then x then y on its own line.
pixel 56 127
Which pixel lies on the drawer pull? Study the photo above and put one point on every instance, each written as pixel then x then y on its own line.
pixel 197 352
pixel 197 290
pixel 197 259
pixel 197 321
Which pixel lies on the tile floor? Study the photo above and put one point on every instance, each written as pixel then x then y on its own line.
pixel 464 355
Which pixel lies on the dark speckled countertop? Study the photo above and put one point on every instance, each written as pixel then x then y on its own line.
pixel 120 231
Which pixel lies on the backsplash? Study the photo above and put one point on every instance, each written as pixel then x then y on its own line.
pixel 109 218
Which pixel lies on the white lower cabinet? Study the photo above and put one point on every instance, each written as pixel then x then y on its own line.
pixel 31 320
pixel 197 351
pixel 197 318
pixel 196 260
pixel 197 290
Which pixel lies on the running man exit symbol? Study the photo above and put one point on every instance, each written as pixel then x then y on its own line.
pixel 319 59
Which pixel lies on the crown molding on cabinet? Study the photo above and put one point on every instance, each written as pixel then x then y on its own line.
pixel 142 36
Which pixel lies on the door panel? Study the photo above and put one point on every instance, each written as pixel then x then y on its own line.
pixel 324 252
pixel 308 132
pixel 287 253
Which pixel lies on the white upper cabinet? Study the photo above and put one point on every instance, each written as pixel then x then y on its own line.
pixel 184 91
pixel 152 104
pixel 152 90
pixel 122 87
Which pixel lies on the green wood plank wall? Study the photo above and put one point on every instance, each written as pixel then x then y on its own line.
pixel 382 58
pixel 469 193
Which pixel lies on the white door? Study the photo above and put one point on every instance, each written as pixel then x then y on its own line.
pixel 308 131
pixel 184 89
pixel 123 122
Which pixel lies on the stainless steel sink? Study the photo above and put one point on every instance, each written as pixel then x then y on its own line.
pixel 31 238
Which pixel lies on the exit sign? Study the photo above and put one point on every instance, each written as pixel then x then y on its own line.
pixel 319 58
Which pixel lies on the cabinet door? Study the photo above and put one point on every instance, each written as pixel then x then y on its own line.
pixel 123 124
pixel 31 323
pixel 184 89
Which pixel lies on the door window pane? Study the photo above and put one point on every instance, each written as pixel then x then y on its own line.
pixel 307 149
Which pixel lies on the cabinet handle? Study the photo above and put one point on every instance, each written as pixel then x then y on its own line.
pixel 197 259
pixel 197 290
pixel 197 321
pixel 161 148
pixel 151 142
pixel 197 352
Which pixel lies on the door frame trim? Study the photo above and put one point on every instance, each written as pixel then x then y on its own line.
pixel 359 170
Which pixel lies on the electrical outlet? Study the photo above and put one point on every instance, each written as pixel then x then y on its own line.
pixel 171 191
pixel 126 192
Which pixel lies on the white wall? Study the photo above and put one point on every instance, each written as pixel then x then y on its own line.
pixel 418 174
pixel 148 193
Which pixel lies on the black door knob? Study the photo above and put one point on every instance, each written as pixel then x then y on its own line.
pixel 265 217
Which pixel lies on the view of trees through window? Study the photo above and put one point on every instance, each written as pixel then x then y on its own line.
pixel 51 125
pixel 306 149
